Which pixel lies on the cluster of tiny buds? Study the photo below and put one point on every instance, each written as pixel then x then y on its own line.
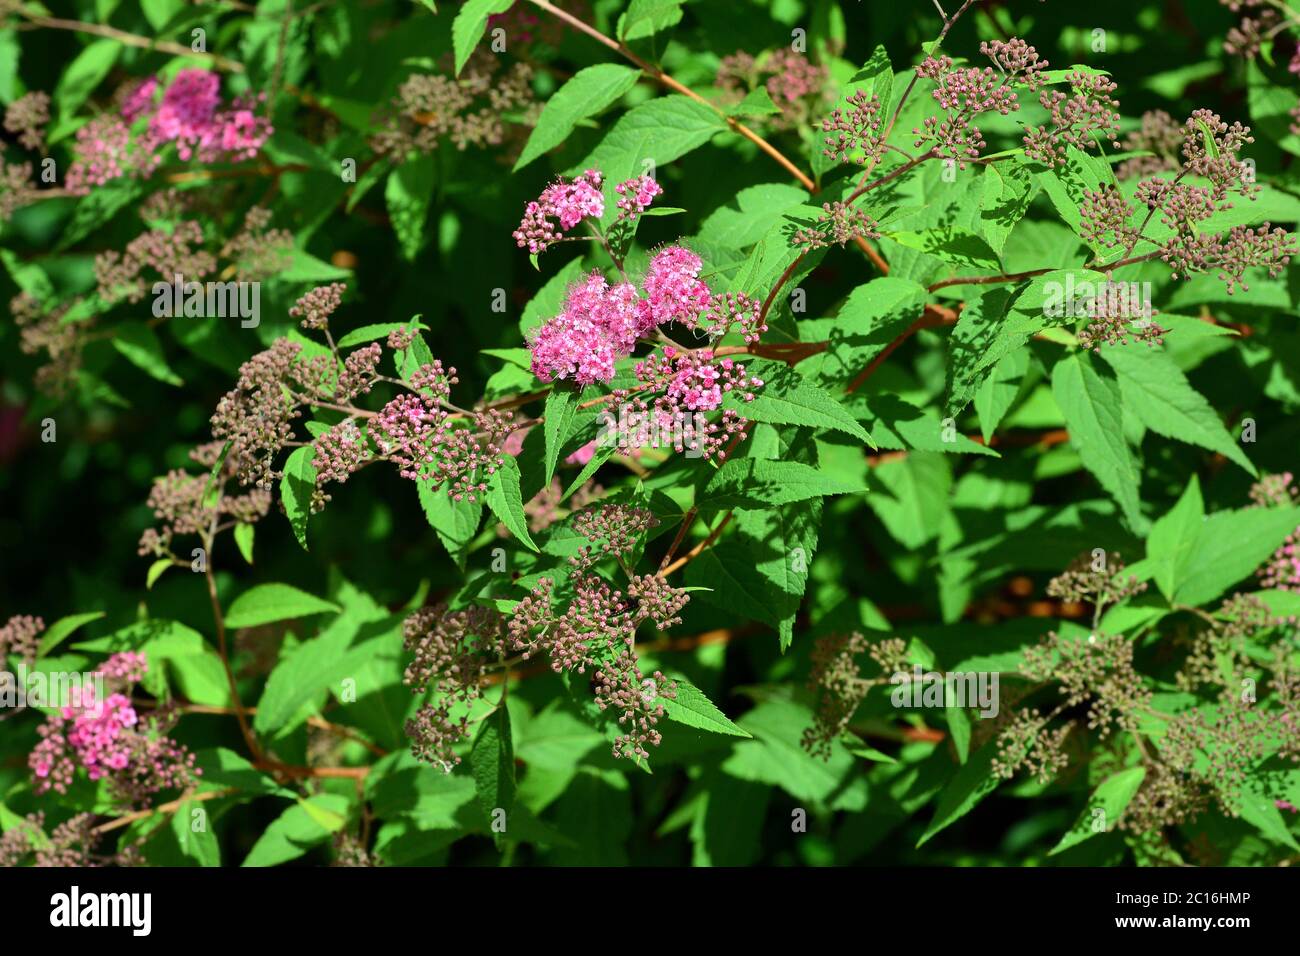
pixel 637 700
pixel 618 525
pixel 739 311
pixel 855 132
pixel 839 223
pixel 1272 491
pixel 796 85
pixel 20 637
pixel 1076 119
pixel 70 844
pixel 476 108
pixel 189 114
pixel 179 501
pixel 1028 742
pixel 837 681
pixel 1096 578
pixel 26 118
pixel 315 308
pixel 1097 670
pixel 1282 570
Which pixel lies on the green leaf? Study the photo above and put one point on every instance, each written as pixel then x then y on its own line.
pixel 758 102
pixel 786 398
pixel 79 78
pixel 760 570
pixel 1111 797
pixel 859 749
pixel 1270 108
pixel 750 481
pixel 561 404
pixel 96 209
pixel 587 93
pixel 141 346
pixel 369 333
pixel 1008 189
pixel 296 487
pixel 492 761
pixel 747 217
pixel 777 757
pixel 1000 390
pixel 156 571
pixel 361 632
pixel 307 268
pixel 1065 187
pixel 193 830
pixel 467 29
pixel 244 533
pixel 659 130
pixel 308 822
pixel 1230 546
pixel 267 603
pixel 912 501
pixel 1093 414
pixel 1162 398
pixel 952 244
pixel 213 488
pixel 1173 538
pixel 694 709
pixel 973 782
pixel 895 423
pixel 1261 812
pixel 727 823
pixel 172 650
pixel 455 522
pixel 506 500
pixel 876 77
pixel 408 194
pixel 872 317
pixel 61 629
pixel 549 299
pixel 647 17
pixel 224 768
pixel 602 454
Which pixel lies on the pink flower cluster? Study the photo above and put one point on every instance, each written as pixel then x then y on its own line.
pixel 108 739
pixel 565 203
pixel 601 324
pixel 691 380
pixel 190 114
pixel 636 195
pixel 690 384
pixel 1283 569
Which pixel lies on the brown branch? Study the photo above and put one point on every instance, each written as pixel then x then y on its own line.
pixel 222 645
pixel 169 807
pixel 660 76
pixel 699 548
pixel 129 39
pixel 933 315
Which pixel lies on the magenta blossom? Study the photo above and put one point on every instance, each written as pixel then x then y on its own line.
pixel 567 203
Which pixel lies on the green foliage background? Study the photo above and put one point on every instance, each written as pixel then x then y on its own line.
pixel 951 552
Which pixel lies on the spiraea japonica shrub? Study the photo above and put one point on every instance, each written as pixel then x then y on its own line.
pixel 651 432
